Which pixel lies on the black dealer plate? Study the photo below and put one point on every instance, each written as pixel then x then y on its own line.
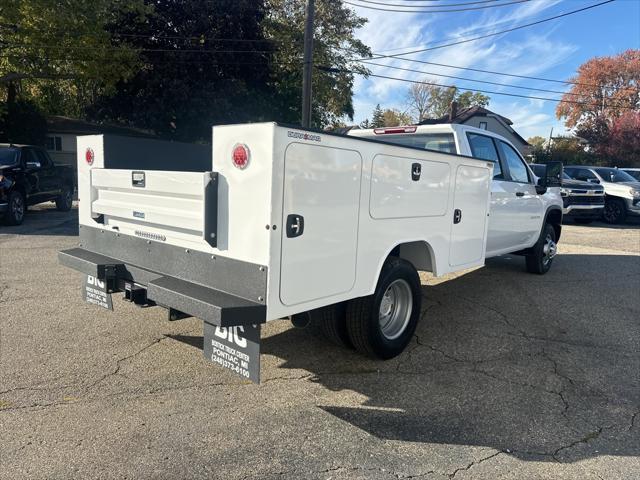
pixel 94 291
pixel 234 348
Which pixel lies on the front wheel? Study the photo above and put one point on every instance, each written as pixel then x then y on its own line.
pixel 542 253
pixel 64 202
pixel 381 325
pixel 17 208
pixel 614 211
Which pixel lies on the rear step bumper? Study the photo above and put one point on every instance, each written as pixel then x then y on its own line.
pixel 213 306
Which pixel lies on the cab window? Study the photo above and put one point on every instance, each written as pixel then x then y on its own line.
pixel 30 156
pixel 517 169
pixel 582 174
pixel 43 158
pixel 484 148
pixel 442 142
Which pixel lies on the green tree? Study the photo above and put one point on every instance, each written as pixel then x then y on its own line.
pixel 392 117
pixel 538 148
pixel 365 124
pixel 334 45
pixel 377 117
pixel 21 121
pixel 194 76
pixel 432 101
pixel 59 54
pixel 472 99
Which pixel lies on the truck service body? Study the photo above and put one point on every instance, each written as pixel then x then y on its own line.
pixel 279 222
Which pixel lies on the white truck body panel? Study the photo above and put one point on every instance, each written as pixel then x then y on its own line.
pixel 358 201
pixel 515 221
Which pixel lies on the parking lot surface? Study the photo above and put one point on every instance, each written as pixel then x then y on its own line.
pixel 510 376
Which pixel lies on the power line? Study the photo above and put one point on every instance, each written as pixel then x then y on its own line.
pixel 508 30
pixel 530 97
pixel 511 2
pixel 469 79
pixel 479 70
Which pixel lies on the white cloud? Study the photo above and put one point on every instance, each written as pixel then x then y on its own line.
pixel 528 54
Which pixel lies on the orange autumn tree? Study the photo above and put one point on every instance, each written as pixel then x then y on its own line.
pixel 603 105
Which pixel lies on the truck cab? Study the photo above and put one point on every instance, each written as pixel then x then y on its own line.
pixel 519 207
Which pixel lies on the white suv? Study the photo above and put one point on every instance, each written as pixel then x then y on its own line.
pixel 621 189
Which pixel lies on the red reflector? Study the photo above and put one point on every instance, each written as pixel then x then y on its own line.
pixel 89 156
pixel 382 131
pixel 240 156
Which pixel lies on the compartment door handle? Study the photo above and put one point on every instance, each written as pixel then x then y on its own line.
pixel 295 225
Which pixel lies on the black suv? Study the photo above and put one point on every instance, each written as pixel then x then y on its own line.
pixel 583 202
pixel 29 176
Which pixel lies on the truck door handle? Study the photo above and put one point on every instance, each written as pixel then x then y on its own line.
pixel 457 216
pixel 519 194
pixel 295 225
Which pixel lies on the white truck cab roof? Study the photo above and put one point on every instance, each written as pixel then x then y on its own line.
pixel 442 137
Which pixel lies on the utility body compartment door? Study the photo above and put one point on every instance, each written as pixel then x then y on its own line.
pixel 321 203
pixel 469 219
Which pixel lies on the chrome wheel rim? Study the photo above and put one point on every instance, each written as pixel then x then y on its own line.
pixel 549 250
pixel 17 207
pixel 395 309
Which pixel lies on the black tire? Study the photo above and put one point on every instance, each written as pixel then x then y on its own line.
pixel 17 209
pixel 615 211
pixel 584 221
pixel 331 320
pixel 64 202
pixel 541 257
pixel 363 314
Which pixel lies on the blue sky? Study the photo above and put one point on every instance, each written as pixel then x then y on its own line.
pixel 552 50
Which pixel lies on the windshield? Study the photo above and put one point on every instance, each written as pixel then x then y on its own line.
pixel 614 175
pixel 539 171
pixel 8 156
pixel 442 142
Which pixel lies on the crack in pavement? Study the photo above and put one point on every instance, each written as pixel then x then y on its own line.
pixel 120 361
pixel 474 463
pixel 586 439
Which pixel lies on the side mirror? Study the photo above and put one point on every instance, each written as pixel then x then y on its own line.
pixel 33 165
pixel 593 180
pixel 552 177
pixel 553 174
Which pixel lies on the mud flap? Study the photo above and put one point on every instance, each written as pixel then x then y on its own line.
pixel 234 348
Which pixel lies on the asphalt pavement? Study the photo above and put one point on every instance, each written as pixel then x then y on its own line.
pixel 510 376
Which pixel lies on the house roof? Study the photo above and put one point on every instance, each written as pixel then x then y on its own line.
pixel 59 124
pixel 465 114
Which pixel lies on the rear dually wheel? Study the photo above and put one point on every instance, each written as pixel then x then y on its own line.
pixel 381 325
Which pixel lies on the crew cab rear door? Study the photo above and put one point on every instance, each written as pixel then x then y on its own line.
pixel 527 207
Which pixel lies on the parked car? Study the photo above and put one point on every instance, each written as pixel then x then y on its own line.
pixel 28 176
pixel 583 202
pixel 634 172
pixel 622 191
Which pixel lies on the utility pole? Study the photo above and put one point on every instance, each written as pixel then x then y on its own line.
pixel 307 65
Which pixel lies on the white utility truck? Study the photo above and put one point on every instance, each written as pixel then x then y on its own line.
pixel 283 221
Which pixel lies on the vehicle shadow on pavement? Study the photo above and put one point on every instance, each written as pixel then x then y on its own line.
pixel 45 220
pixel 544 368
